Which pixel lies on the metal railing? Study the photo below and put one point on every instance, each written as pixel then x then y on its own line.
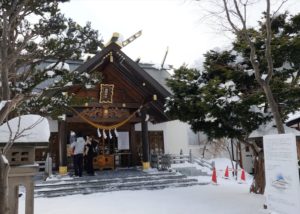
pixel 164 161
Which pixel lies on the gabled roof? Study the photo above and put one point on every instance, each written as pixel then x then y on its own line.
pixel 144 82
pixel 99 60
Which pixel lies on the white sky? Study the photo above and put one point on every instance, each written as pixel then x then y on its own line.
pixel 176 24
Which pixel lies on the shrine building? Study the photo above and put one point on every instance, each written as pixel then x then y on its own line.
pixel 129 94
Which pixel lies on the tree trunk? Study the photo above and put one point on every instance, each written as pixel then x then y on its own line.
pixel 259 182
pixel 274 107
pixel 5 83
pixel 231 155
pixel 4 170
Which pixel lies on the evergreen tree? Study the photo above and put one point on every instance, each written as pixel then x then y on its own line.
pixel 225 100
pixel 222 101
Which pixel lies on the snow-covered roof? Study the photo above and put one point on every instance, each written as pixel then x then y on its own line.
pixel 160 75
pixel 293 116
pixel 270 128
pixel 30 128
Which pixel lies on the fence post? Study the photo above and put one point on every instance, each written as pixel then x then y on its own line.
pixel 181 153
pixel 165 162
pixel 154 162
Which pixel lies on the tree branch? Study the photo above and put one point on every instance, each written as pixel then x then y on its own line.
pixel 268 43
pixel 9 106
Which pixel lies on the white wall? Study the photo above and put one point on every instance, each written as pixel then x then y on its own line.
pixel 177 136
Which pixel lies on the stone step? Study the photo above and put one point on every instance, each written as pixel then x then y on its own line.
pixel 101 183
pixel 84 181
pixel 93 188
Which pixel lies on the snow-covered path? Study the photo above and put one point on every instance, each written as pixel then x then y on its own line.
pixel 226 198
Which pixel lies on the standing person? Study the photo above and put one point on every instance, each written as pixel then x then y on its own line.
pixel 89 153
pixel 78 148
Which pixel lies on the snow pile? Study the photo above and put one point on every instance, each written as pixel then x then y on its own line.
pixel 195 165
pixel 86 56
pixel 220 166
pixel 270 128
pixel 59 66
pixel 2 104
pixel 4 159
pixel 27 129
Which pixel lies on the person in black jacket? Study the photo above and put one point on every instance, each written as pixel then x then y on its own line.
pixel 90 154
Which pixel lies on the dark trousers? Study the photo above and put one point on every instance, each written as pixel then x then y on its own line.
pixel 89 165
pixel 78 164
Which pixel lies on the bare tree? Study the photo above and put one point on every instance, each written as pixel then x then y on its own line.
pixel 264 81
pixel 235 12
pixel 232 15
pixel 31 32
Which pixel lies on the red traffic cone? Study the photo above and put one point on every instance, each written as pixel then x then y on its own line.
pixel 226 175
pixel 214 176
pixel 243 176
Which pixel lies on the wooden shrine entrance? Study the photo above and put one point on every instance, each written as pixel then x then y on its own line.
pixel 126 96
pixel 115 148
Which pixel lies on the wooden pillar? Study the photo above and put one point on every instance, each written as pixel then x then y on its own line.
pixel 145 140
pixel 133 148
pixel 62 140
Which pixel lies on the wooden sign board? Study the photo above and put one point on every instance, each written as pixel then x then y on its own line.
pixel 106 93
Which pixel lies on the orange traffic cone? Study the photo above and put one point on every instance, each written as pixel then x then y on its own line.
pixel 243 176
pixel 214 176
pixel 226 175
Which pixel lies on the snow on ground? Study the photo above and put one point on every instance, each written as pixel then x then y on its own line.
pixel 228 197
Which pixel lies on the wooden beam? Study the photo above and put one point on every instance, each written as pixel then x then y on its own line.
pixel 103 120
pixel 112 105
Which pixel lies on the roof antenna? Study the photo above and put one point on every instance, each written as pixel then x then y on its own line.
pixel 164 59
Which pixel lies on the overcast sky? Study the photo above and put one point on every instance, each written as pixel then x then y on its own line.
pixel 177 24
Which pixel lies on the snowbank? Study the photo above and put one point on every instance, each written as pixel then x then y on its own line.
pixel 270 128
pixel 2 104
pixel 27 128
